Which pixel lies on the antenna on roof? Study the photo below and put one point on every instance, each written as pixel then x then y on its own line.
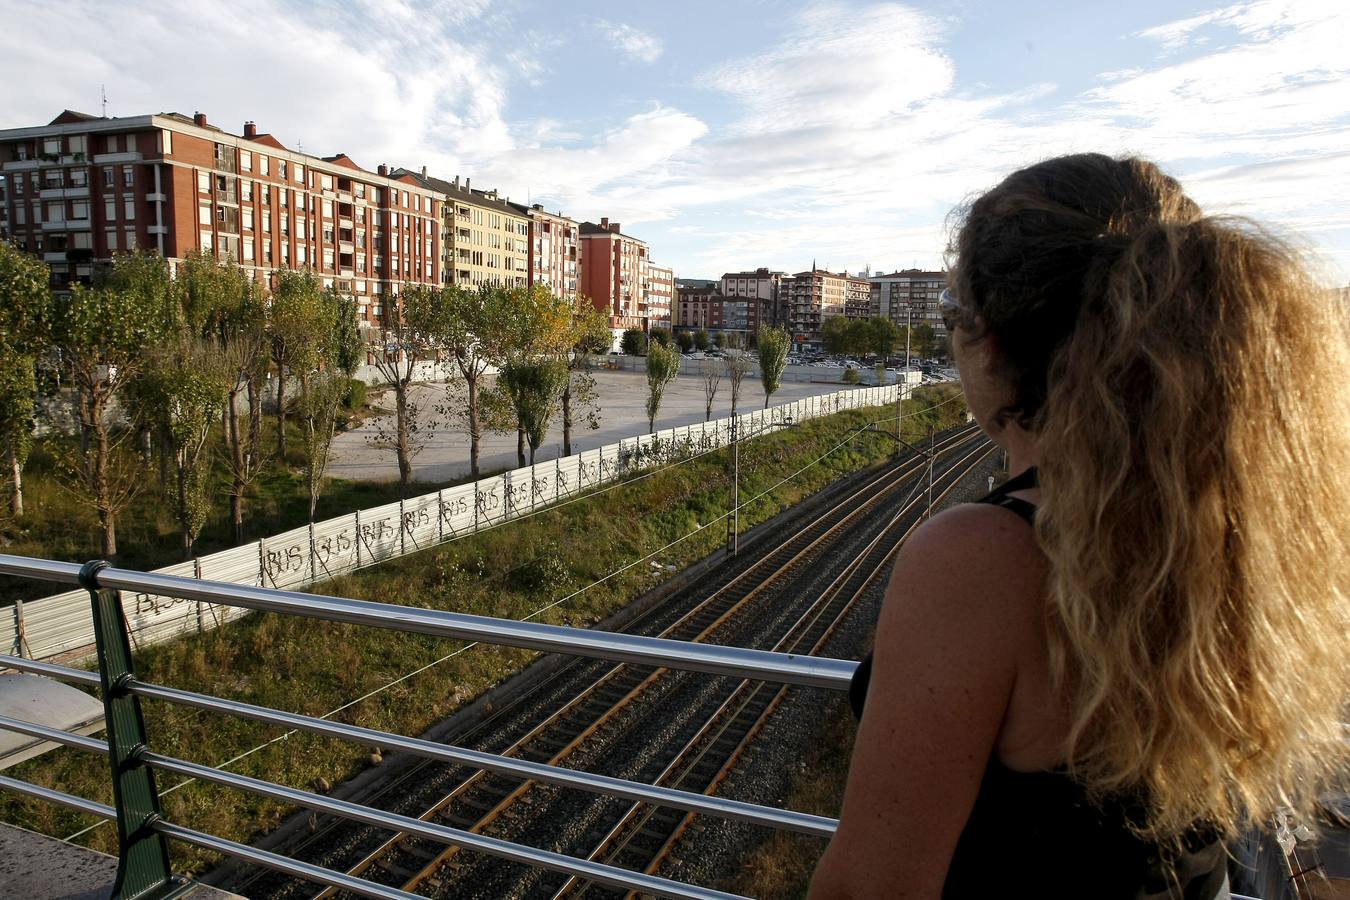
pixel 103 90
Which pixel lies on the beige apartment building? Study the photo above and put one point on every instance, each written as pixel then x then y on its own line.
pixel 857 297
pixel 660 287
pixel 485 237
pixel 811 298
pixel 82 188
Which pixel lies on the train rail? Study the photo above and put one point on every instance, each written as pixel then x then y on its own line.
pixel 604 698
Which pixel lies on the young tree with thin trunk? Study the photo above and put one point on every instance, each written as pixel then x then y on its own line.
pixel 711 371
pixel 291 326
pixel 337 354
pixel 737 366
pixel 685 340
pixel 663 364
pixel 773 352
pixel 534 387
pixel 398 350
pixel 102 335
pixel 590 334
pixel 25 306
pixel 240 331
pixel 472 328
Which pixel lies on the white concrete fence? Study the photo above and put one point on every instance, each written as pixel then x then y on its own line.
pixel 61 624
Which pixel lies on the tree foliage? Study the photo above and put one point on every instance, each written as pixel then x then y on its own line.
pixel 661 336
pixel 663 364
pixel 773 353
pixel 700 340
pixel 633 342
pixel 533 386
pixel 102 334
pixel 590 334
pixel 685 339
pixel 25 309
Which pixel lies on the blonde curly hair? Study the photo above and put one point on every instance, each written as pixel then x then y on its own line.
pixel 1189 387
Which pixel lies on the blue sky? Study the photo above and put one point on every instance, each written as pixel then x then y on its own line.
pixel 744 132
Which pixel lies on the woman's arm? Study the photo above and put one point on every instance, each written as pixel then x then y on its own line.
pixel 954 619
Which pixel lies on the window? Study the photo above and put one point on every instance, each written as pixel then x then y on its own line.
pixel 262 164
pixel 285 224
pixel 327 208
pixel 207 243
pixel 361 215
pixel 83 240
pixel 204 214
pixel 56 212
pixel 300 228
pixel 130 235
pixel 110 210
pixel 79 178
pixel 282 197
pixel 166 142
pixel 266 193
pixel 203 182
pixel 300 255
pixel 248 251
pixel 221 184
pixel 51 146
pixel 267 221
pixel 299 174
pixel 247 189
pixel 328 259
pixel 267 252
pixel 417 202
pixel 245 161
pixel 128 176
pixel 110 238
pixel 248 219
pixel 326 182
pixel 129 207
pixel 281 169
pixel 285 252
pixel 220 214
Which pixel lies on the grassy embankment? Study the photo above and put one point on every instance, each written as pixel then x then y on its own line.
pixel 313 667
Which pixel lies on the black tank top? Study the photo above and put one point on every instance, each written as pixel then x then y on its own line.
pixel 1036 834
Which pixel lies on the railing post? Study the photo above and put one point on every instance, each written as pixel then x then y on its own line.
pixel 143 854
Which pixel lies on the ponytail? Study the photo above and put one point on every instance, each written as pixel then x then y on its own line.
pixel 1194 506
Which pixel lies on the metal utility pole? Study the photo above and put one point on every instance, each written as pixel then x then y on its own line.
pixel 931 447
pixel 734 520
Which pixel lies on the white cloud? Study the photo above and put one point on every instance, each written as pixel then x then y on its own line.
pixel 632 42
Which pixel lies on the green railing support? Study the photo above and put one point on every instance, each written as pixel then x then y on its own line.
pixel 143 871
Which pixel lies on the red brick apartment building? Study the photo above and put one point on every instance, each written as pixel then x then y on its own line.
pixel 82 188
pixel 764 289
pixel 619 277
pixel 555 250
pixel 811 297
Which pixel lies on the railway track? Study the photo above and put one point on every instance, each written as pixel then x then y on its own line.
pixel 592 702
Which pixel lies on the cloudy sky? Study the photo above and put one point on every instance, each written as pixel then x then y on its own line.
pixel 740 133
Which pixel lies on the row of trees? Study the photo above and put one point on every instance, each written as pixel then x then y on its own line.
pixel 152 361
pixel 877 337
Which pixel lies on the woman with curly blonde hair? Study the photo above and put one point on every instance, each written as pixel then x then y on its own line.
pixel 1093 705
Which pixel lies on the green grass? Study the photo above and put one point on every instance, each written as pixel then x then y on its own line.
pixel 312 667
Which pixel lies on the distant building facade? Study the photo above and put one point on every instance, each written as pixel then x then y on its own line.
pixel 764 288
pixel 858 298
pixel 619 277
pixel 910 295
pixel 660 285
pixel 83 188
pixel 812 297
pixel 554 250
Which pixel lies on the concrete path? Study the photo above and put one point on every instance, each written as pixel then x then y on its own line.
pixel 623 398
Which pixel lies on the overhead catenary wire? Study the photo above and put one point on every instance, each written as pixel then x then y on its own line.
pixel 539 611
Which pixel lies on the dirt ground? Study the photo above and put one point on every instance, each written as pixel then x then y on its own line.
pixel 623 398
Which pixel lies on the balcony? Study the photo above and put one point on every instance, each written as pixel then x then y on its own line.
pixel 156 198
pixel 346 247
pixel 54 256
pixel 128 156
pixel 80 192
pixel 158 229
pixel 22 165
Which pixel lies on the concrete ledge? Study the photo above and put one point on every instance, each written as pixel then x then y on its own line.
pixel 37 867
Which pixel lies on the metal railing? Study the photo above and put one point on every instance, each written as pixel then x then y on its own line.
pixel 143 833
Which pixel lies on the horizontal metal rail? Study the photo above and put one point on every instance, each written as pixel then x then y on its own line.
pixel 532 856
pixel 786 668
pixel 211 842
pixel 571 778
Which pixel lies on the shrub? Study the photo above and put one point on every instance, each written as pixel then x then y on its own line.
pixel 851 376
pixel 355 397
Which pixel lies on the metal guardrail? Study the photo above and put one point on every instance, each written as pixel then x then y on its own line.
pixel 144 868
